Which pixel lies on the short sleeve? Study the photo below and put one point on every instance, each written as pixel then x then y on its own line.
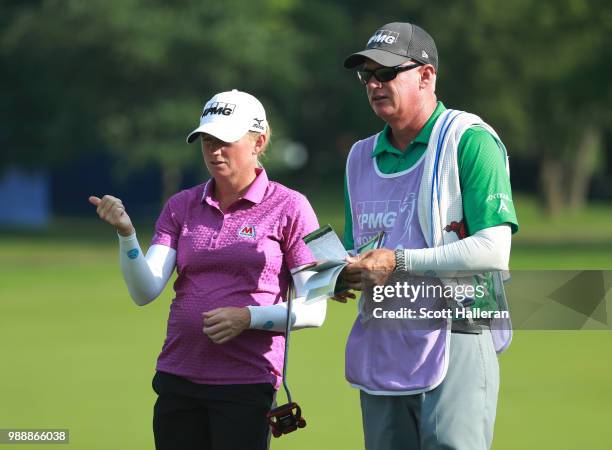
pixel 485 184
pixel 169 224
pixel 300 220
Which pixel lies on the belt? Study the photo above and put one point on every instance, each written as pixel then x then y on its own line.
pixel 470 326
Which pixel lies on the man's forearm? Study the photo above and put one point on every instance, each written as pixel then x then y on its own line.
pixel 488 249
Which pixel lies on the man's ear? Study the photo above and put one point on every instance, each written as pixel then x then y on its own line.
pixel 428 76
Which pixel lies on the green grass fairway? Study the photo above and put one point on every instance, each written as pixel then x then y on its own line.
pixel 78 354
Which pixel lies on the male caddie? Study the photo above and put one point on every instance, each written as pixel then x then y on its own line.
pixel 436 182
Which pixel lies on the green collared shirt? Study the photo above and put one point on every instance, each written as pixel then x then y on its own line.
pixel 485 185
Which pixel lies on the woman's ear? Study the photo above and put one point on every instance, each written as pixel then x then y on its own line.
pixel 260 144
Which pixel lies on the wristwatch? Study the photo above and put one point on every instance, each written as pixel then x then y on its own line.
pixel 400 261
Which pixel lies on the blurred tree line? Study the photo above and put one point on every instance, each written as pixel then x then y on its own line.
pixel 131 76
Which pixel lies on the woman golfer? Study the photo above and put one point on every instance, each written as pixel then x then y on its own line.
pixel 236 243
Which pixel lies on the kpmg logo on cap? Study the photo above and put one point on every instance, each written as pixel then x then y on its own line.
pixel 219 108
pixel 383 37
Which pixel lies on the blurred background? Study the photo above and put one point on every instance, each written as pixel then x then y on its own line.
pixel 98 97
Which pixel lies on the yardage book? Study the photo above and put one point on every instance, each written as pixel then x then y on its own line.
pixel 331 256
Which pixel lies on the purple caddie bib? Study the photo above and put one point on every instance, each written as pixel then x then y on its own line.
pixel 390 356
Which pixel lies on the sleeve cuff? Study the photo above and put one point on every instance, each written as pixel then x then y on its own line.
pixel 256 319
pixel 129 238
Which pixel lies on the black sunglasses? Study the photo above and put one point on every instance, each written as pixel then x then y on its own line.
pixel 383 74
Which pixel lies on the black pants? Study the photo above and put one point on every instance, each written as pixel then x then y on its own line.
pixel 190 416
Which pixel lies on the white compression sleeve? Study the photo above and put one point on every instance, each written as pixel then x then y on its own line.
pixel 274 317
pixel 487 249
pixel 145 276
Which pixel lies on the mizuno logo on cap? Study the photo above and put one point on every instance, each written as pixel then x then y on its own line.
pixel 383 37
pixel 219 108
pixel 257 124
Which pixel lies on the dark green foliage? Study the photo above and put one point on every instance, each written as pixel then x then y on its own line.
pixel 130 76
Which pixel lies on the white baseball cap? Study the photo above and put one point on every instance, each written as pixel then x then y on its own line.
pixel 230 115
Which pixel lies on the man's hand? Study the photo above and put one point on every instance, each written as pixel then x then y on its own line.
pixel 111 210
pixel 224 324
pixel 342 297
pixel 373 267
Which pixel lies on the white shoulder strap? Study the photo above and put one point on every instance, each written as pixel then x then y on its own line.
pixel 429 193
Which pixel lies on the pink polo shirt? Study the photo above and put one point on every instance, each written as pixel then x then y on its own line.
pixel 238 258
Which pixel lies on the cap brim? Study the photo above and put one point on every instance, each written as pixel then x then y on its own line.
pixel 381 57
pixel 226 135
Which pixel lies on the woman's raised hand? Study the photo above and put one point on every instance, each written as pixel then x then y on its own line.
pixel 111 210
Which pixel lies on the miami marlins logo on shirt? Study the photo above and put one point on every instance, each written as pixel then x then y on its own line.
pixel 247 231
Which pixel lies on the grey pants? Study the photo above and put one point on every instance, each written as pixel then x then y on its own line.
pixel 457 415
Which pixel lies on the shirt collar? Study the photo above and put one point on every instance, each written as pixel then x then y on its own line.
pixel 255 193
pixel 383 144
pixel 257 189
pixel 207 195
